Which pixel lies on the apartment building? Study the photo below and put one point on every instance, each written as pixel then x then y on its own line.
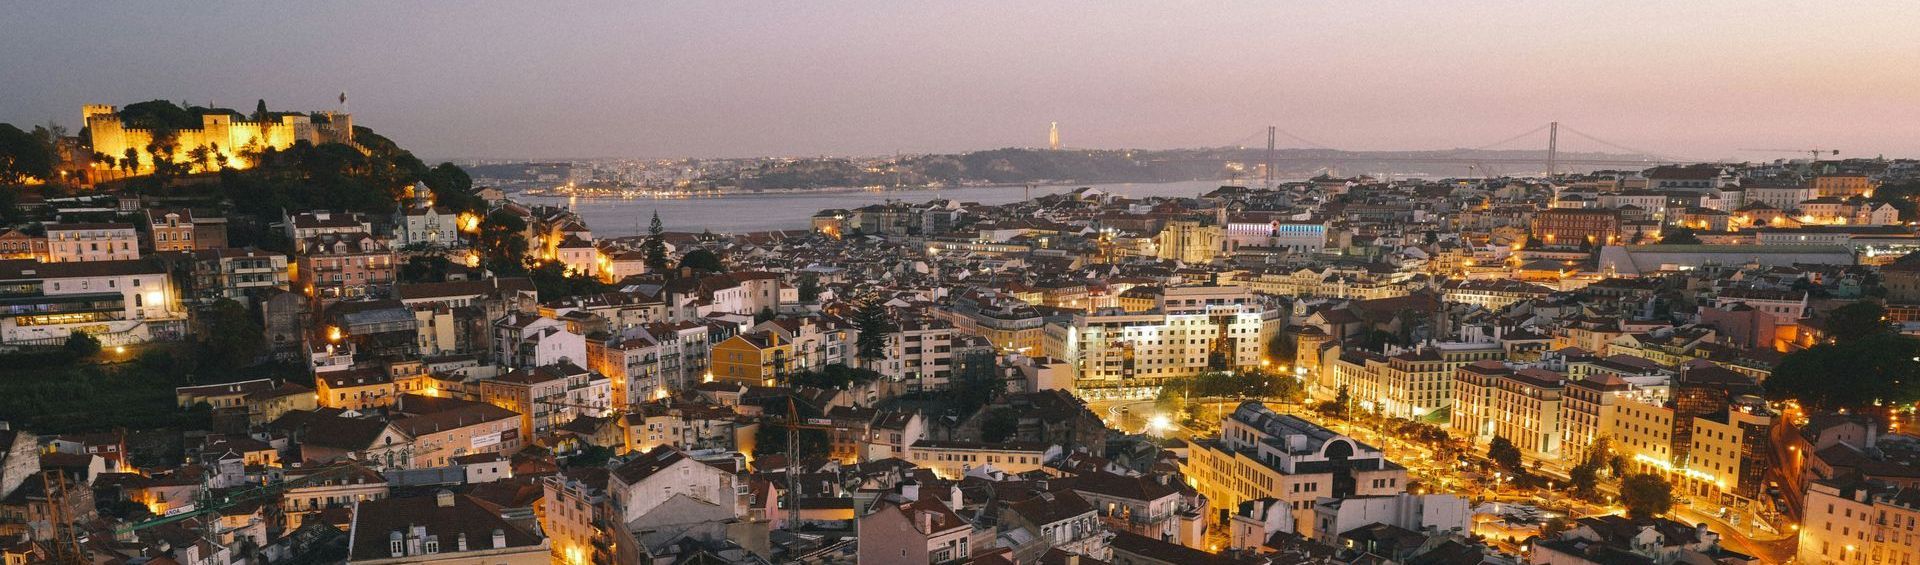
pixel 549 396
pixel 1191 330
pixel 119 302
pixel 80 242
pixel 1262 454
pixel 1406 384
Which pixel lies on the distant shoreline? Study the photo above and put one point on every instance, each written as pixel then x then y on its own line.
pixel 641 194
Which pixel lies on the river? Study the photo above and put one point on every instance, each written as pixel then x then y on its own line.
pixel 736 213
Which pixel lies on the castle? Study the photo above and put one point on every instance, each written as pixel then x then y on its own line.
pixel 224 133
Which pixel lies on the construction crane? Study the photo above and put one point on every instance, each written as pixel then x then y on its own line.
pixel 1813 154
pixel 794 425
pixel 206 504
pixel 66 543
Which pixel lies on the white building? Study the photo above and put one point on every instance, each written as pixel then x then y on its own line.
pixel 1191 330
pixel 646 481
pixel 1441 514
pixel 427 226
pixel 116 301
pixel 520 340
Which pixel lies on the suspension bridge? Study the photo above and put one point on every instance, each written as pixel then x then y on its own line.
pixel 1538 147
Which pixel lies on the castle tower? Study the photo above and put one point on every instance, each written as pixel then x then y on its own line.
pixel 1053 137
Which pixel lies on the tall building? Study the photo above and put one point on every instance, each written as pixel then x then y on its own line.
pixel 1191 330
pixel 1053 137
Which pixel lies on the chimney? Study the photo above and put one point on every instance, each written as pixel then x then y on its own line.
pixel 460 541
pixel 443 498
pixel 499 538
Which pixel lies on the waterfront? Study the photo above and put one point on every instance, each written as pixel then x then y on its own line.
pixel 736 213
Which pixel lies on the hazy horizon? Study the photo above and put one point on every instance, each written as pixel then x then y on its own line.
pixel 733 79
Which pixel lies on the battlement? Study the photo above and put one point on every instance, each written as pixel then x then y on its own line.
pixel 225 134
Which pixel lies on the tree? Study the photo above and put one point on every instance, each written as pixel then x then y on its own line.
pixel 1857 321
pixel 1679 236
pixel 503 242
pixel 1646 495
pixel 1000 425
pixel 230 336
pixel 700 260
pixel 425 268
pixel 82 345
pixel 1585 478
pixel 1875 368
pixel 875 322
pixel 656 245
pixel 589 457
pixel 23 157
pixel 1503 453
pixel 809 287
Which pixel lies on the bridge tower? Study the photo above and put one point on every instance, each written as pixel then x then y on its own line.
pixel 1553 147
pixel 1270 131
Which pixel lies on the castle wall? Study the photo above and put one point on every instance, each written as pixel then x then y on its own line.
pixel 110 136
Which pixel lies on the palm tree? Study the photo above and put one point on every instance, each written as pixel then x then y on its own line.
pixel 131 160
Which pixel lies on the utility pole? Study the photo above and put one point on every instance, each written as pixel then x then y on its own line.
pixel 1553 147
pixel 1270 132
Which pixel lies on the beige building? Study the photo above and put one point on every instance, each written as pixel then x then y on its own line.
pixel 1853 521
pixel 1263 454
pixel 1191 241
pixel 79 242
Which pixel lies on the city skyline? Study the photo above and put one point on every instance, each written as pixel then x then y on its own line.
pixel 1703 81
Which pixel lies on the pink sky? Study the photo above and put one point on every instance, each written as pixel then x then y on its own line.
pixel 1700 79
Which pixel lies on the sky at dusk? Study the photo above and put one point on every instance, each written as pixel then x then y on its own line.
pixel 1698 79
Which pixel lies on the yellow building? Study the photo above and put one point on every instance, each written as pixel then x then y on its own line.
pixel 752 358
pixel 225 133
pixel 1844 185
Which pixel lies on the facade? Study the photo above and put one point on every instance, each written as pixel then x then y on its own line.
pixel 347 265
pixel 753 359
pixel 549 396
pixel 951 459
pixel 1406 384
pixel 78 242
pixel 118 302
pixel 913 531
pixel 1576 227
pixel 1261 454
pixel 427 226
pixel 1192 330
